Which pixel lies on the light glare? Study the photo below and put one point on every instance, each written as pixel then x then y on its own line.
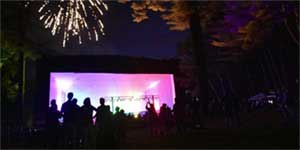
pixel 128 91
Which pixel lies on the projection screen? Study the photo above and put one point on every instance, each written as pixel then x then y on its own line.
pixel 127 91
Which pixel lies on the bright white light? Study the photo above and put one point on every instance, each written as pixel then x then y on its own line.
pixel 133 89
pixel 153 84
pixel 63 84
pixel 270 101
pixel 156 105
pixel 137 94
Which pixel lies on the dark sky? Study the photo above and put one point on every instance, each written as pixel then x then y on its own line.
pixel 150 38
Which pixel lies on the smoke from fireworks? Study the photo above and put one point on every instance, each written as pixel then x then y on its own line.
pixel 73 18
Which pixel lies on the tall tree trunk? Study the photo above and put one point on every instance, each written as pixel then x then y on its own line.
pixel 200 58
pixel 21 33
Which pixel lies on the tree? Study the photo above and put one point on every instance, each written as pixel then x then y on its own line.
pixel 182 15
pixel 239 29
pixel 15 51
pixel 247 25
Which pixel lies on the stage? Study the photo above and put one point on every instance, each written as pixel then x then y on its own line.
pixel 130 92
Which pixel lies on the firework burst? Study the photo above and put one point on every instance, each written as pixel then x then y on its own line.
pixel 73 18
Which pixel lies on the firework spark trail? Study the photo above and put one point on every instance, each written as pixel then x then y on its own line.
pixel 71 18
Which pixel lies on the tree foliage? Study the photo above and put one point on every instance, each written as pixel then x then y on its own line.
pixel 248 25
pixel 176 13
pixel 243 25
pixel 12 45
pixel 235 31
pixel 9 65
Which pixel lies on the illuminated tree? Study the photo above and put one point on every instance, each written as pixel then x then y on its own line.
pixel 240 25
pixel 238 28
pixel 265 30
pixel 247 25
pixel 183 15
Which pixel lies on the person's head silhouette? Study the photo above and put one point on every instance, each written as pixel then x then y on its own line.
pixel 53 104
pixel 70 95
pixel 87 101
pixel 117 109
pixel 107 108
pixel 164 105
pixel 102 101
pixel 74 101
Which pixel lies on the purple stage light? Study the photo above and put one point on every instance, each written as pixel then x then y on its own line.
pixel 127 91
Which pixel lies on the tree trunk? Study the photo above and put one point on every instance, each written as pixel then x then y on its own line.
pixel 21 33
pixel 200 59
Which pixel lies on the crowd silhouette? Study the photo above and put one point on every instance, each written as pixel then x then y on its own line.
pixel 82 129
pixel 87 126
pixel 79 130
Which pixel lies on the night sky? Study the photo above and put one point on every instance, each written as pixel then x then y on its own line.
pixel 150 38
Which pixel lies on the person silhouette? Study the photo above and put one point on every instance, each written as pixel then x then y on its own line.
pixel 179 115
pixel 165 116
pixel 118 120
pixel 53 124
pixel 75 111
pixel 117 110
pixel 120 124
pixel 53 114
pixel 100 113
pixel 86 112
pixel 152 118
pixel 75 123
pixel 104 124
pixel 67 111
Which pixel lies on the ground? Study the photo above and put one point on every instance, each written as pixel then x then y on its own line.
pixel 217 138
pixel 259 129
